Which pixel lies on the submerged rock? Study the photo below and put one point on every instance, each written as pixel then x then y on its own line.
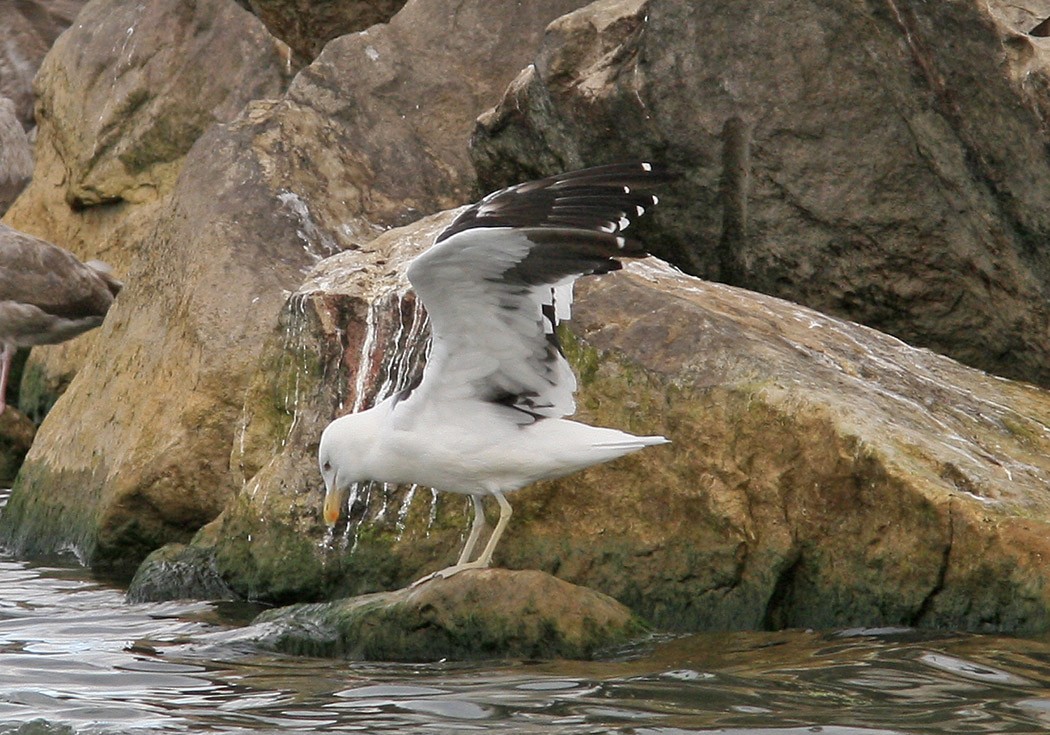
pixel 883 162
pixel 477 614
pixel 176 571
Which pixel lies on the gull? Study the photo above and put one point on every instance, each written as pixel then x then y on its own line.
pixel 488 415
pixel 46 296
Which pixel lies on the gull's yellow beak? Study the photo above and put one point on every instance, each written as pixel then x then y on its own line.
pixel 334 499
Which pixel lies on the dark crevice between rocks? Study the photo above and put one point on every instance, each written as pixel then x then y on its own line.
pixel 736 182
pixel 778 606
pixel 926 607
pixel 79 204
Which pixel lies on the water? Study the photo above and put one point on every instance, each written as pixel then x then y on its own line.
pixel 75 658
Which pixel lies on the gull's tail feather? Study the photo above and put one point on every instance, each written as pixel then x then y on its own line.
pixel 632 443
pixel 565 446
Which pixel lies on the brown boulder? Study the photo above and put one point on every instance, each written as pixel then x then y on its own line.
pixel 132 86
pixel 307 25
pixel 390 111
pixel 821 473
pixel 119 111
pixel 885 163
pixel 478 614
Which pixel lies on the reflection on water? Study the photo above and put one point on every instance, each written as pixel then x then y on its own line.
pixel 75 658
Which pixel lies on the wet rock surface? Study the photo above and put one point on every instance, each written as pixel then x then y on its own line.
pixel 477 614
pixel 821 473
pixel 176 571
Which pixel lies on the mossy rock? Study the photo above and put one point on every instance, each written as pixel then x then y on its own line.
pixel 37 390
pixel 477 614
pixel 178 571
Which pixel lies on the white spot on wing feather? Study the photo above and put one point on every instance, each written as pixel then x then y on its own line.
pixel 563 301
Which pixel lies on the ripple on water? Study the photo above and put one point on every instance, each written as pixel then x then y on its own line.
pixel 75 658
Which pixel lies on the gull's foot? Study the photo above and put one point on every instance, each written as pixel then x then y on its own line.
pixel 448 572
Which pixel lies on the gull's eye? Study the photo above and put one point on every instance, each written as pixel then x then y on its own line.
pixel 327 466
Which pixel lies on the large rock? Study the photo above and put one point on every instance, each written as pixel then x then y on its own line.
pixel 479 614
pixel 139 182
pixel 883 162
pixel 122 97
pixel 391 111
pixel 145 431
pixel 821 473
pixel 27 30
pixel 307 25
pixel 174 413
pixel 132 86
pixel 334 354
pixel 16 155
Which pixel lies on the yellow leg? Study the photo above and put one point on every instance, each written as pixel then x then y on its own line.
pixel 486 556
pixel 475 531
pixel 505 512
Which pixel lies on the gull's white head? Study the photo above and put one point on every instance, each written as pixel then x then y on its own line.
pixel 344 446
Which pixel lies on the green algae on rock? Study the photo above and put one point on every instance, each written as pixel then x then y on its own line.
pixel 821 473
pixel 476 614
pixel 177 571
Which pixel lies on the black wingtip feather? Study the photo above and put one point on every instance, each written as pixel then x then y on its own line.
pixel 586 199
